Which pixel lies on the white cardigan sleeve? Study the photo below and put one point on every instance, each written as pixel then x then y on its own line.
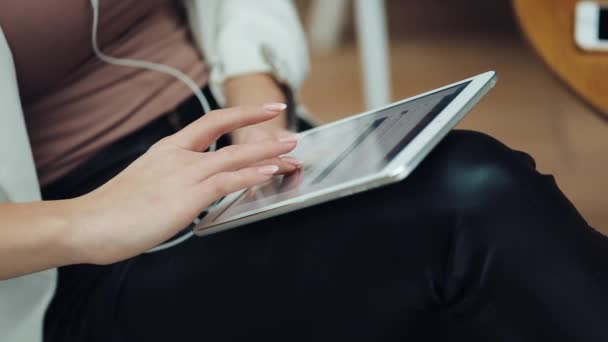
pixel 18 180
pixel 23 300
pixel 245 36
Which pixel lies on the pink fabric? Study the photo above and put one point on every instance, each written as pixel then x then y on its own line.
pixel 74 103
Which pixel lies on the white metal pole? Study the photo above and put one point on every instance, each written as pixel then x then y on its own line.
pixel 372 34
pixel 326 23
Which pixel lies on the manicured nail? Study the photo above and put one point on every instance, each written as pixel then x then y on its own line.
pixel 289 138
pixel 292 160
pixel 274 108
pixel 268 170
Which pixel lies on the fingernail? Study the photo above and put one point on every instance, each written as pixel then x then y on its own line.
pixel 274 108
pixel 291 160
pixel 291 137
pixel 268 170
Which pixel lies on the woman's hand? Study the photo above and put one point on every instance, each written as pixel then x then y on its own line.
pixel 166 188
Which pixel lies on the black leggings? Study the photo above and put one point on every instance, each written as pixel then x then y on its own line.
pixel 475 245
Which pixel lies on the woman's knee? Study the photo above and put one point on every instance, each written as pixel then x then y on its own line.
pixel 470 169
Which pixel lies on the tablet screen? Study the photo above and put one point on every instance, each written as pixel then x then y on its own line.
pixel 346 151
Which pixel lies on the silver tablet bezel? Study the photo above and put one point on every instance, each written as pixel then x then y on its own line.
pixel 401 166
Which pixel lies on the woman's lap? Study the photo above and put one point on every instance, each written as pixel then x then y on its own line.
pixel 475 243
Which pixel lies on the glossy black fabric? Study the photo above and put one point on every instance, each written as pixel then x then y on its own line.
pixel 475 245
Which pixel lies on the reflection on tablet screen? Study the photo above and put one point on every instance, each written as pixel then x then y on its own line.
pixel 348 151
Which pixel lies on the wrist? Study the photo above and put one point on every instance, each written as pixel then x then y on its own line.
pixel 36 236
pixel 76 238
pixel 255 89
pixel 252 89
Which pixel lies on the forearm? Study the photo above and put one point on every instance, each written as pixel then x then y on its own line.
pixel 255 89
pixel 34 237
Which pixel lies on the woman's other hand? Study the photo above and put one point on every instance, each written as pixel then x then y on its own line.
pixel 252 89
pixel 172 183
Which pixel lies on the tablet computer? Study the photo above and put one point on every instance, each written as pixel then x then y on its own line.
pixel 352 155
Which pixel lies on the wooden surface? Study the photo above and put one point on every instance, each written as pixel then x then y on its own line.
pixel 549 27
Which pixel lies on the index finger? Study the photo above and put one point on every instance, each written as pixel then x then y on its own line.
pixel 201 133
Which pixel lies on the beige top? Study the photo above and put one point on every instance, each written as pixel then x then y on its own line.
pixel 75 104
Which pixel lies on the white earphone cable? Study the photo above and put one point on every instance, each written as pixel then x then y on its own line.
pixel 144 64
pixel 159 68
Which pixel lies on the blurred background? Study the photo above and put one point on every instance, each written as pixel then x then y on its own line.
pixel 436 42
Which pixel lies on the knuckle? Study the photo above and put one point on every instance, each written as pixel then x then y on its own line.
pixel 231 152
pixel 215 119
pixel 212 115
pixel 221 184
pixel 242 113
pixel 238 178
pixel 162 143
pixel 218 188
pixel 275 160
